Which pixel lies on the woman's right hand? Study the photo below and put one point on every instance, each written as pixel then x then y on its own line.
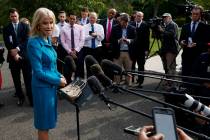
pixel 63 82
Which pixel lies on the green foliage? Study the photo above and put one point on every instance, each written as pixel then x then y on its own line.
pixel 149 7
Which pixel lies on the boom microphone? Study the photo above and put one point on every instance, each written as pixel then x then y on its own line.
pixel 69 63
pixel 98 89
pixel 95 85
pixel 98 72
pixel 90 60
pixel 117 70
pixel 110 67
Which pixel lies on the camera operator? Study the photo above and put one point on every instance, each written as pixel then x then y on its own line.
pixel 193 38
pixel 169 40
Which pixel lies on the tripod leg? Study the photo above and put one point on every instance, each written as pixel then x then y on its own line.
pixel 77 116
pixel 150 48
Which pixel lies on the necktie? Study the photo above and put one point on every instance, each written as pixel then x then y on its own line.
pixel 72 38
pixel 16 27
pixel 193 28
pixel 108 33
pixel 93 45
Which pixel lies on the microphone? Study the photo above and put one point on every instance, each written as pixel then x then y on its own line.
pixel 109 66
pixel 69 64
pixel 98 72
pixel 95 85
pixel 192 104
pixel 98 89
pixel 117 70
pixel 90 60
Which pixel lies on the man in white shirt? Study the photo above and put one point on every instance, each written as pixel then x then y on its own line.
pixel 59 49
pixel 94 34
pixel 62 19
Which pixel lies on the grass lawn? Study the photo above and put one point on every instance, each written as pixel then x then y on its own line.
pixel 154 46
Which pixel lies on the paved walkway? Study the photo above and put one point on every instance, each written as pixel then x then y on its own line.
pixel 97 122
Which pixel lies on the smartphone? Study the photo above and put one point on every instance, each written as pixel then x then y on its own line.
pixel 164 122
pixel 90 32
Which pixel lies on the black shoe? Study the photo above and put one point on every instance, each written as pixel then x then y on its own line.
pixel 115 90
pixel 20 102
pixel 140 86
pixel 1 105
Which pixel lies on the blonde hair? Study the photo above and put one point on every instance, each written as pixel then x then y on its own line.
pixel 93 14
pixel 37 18
pixel 25 20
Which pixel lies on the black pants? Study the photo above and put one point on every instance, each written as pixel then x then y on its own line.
pixel 61 53
pixel 140 62
pixel 16 68
pixel 73 65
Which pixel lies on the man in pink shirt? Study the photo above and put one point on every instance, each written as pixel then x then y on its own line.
pixel 72 39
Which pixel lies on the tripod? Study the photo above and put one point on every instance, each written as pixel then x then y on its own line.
pixel 156 38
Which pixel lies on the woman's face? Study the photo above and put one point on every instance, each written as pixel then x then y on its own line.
pixel 46 26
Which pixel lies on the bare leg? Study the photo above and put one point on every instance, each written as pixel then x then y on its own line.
pixel 43 135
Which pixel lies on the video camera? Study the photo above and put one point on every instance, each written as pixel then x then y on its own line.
pixel 153 24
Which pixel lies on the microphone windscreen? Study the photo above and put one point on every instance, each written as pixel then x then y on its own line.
pixel 109 66
pixel 95 85
pixel 90 60
pixel 105 80
pixel 96 69
pixel 70 64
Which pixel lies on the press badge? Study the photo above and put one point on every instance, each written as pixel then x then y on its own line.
pixel 208 69
pixel 190 42
pixel 10 39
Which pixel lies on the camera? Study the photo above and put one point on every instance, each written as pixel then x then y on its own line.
pixel 154 24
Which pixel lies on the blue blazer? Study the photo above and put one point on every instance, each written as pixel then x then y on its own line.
pixel 43 61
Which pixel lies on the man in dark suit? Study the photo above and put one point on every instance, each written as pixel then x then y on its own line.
pixel 107 24
pixel 15 38
pixel 122 39
pixel 193 40
pixel 141 45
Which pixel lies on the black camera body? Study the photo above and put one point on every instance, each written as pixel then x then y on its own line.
pixel 153 24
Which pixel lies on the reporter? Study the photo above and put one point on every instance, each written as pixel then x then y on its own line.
pixel 146 129
pixel 45 77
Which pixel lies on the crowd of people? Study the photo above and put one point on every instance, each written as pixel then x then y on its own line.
pixel 51 55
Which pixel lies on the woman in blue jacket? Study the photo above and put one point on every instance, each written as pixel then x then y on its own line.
pixel 45 77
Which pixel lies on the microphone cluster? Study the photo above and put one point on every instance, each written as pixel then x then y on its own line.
pixel 98 82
